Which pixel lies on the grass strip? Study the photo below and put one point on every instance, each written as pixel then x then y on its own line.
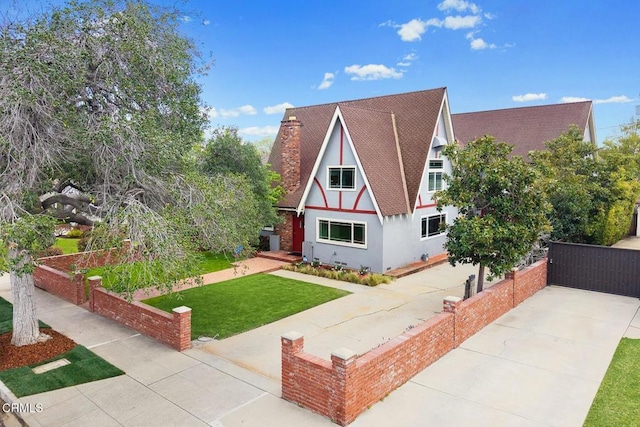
pixel 68 245
pixel 6 317
pixel 617 402
pixel 85 367
pixel 238 305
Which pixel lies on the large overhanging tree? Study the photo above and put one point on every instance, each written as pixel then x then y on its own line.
pixel 502 210
pixel 101 95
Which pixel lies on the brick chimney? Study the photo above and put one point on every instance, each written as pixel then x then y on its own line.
pixel 290 153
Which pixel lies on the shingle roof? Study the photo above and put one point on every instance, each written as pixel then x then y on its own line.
pixel 416 116
pixel 526 128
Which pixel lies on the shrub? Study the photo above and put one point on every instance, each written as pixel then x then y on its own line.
pixel 351 277
pixel 375 279
pixel 50 251
pixel 74 234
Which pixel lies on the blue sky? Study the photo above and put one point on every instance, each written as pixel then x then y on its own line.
pixel 489 55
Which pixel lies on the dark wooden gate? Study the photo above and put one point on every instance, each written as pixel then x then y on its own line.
pixel 595 268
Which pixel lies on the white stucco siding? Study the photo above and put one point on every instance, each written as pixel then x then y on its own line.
pixel 339 154
pixel 350 256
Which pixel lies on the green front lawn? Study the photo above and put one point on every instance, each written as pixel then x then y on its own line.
pixel 68 246
pixel 85 366
pixel 618 400
pixel 238 305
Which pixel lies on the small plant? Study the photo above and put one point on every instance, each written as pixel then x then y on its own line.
pixel 351 277
pixel 316 263
pixel 74 234
pixel 338 267
pixel 374 279
pixel 364 270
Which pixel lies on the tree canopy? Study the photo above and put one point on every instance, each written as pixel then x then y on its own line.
pixel 101 95
pixel 502 210
pixel 592 190
pixel 226 153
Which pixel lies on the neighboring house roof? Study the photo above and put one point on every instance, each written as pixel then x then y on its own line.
pixel 391 134
pixel 526 128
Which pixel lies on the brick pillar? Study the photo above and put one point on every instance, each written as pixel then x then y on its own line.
pixel 290 153
pixel 182 321
pixel 292 343
pixel 343 403
pixel 94 282
pixel 451 304
pixel 78 283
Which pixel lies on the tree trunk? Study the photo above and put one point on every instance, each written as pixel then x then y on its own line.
pixel 480 278
pixel 25 320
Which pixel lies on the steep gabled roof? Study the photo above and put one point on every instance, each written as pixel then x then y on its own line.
pixel 526 128
pixel 374 138
pixel 416 115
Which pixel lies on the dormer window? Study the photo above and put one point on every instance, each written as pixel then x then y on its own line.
pixel 436 170
pixel 342 178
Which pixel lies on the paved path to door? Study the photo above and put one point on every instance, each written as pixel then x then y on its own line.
pixel 538 365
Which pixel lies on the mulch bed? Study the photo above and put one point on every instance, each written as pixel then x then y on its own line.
pixel 15 357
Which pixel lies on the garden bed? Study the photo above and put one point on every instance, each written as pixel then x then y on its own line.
pixel 360 277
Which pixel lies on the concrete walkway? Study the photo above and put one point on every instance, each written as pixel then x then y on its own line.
pixel 540 364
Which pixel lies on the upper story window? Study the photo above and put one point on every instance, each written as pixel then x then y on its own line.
pixel 436 171
pixel 342 178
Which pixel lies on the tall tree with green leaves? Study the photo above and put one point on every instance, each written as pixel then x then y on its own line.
pixel 101 95
pixel 502 210
pixel 226 153
pixel 592 190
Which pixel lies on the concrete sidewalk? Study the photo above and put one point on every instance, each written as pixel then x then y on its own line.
pixel 540 364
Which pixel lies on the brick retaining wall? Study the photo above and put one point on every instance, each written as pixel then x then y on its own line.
pixel 55 274
pixel 346 386
pixel 172 329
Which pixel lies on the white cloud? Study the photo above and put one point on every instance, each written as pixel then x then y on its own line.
pixel 478 43
pixel 610 100
pixel 412 30
pixel 259 131
pixel 410 57
pixel 403 64
pixel 388 23
pixel 277 109
pixel 372 72
pixel 245 109
pixel 458 22
pixel 490 16
pixel 210 112
pixel 206 22
pixel 186 18
pixel 459 5
pixel 529 97
pixel 566 99
pixel 327 81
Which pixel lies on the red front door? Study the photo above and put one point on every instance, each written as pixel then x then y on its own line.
pixel 298 233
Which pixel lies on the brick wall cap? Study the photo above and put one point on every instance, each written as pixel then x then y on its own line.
pixel 344 353
pixel 181 309
pixel 452 299
pixel 292 336
pixel 94 278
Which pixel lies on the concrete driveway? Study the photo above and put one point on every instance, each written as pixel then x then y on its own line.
pixel 539 365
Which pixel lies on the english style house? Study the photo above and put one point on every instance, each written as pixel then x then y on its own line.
pixel 360 178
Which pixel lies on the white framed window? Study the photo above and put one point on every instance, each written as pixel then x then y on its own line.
pixel 340 232
pixel 436 171
pixel 341 177
pixel 432 225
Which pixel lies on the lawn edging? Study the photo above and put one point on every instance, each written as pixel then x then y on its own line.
pixel 347 385
pixel 173 329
